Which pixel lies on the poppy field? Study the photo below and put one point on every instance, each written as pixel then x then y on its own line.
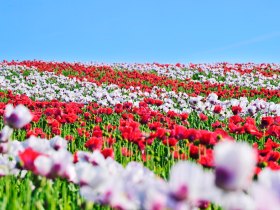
pixel 139 136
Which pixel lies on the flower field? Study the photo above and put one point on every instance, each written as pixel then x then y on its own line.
pixel 139 136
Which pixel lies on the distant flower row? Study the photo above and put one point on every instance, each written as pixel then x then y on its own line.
pixel 48 86
pixel 243 75
pixel 225 84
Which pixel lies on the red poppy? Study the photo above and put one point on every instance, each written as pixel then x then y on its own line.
pixel 94 143
pixel 108 152
pixel 203 117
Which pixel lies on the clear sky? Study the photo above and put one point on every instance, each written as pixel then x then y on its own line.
pixel 165 31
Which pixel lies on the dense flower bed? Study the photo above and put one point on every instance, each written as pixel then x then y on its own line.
pixel 146 80
pixel 141 136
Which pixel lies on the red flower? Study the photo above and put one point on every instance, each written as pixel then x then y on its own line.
pixel 271 144
pixel 158 102
pixel 223 135
pixel 94 143
pixel 170 142
pixel 267 121
pixel 69 138
pixel 83 123
pixel 144 119
pixel 127 105
pixel 56 131
pixel 53 122
pixel 109 111
pixel 235 119
pixel 272 156
pixel 130 131
pixel 218 109
pixel 236 109
pixel 274 130
pixel 277 120
pixel 206 161
pixel 184 116
pixel 81 131
pixel 193 134
pixel 203 117
pixel 208 137
pixel 97 132
pixel 194 152
pixel 273 165
pixel 217 124
pixel 70 118
pixel 36 117
pixel 118 108
pixel 236 128
pixel 171 114
pixel 180 132
pixel 75 157
pixel 154 125
pixel 110 127
pixel 108 152
pixel 87 115
pixel 98 119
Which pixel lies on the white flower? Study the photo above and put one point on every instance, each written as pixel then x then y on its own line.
pixel 5 134
pixel 264 198
pixel 58 142
pixel 118 196
pixel 37 144
pixel 136 173
pixel 212 98
pixel 271 180
pixel 43 165
pixel 98 175
pixel 237 200
pixel 234 165
pixel 14 148
pixel 4 169
pixel 155 199
pixel 189 182
pixel 17 117
pixel 95 158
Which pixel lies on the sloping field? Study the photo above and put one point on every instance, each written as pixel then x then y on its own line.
pixel 139 136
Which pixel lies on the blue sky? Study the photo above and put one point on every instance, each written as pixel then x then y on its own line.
pixel 165 31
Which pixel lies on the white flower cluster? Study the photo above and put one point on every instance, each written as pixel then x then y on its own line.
pixel 212 73
pixel 107 182
pixel 48 86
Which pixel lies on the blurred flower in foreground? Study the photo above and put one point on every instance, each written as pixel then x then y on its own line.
pixel 5 134
pixel 17 117
pixel 234 165
pixel 189 182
